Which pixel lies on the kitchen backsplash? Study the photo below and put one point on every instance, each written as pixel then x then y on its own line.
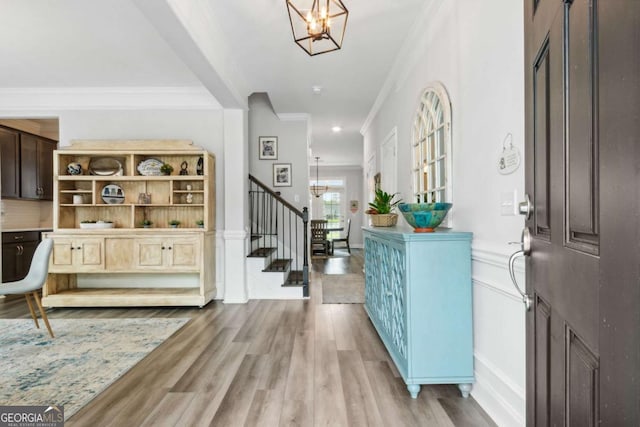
pixel 23 214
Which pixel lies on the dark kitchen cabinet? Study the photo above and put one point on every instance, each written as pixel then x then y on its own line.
pixel 36 167
pixel 10 162
pixel 17 251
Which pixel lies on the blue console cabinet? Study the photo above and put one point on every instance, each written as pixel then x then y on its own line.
pixel 418 296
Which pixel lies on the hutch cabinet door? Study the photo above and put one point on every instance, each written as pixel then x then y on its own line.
pixel 62 253
pixel 88 254
pixel 149 253
pixel 184 253
pixel 118 254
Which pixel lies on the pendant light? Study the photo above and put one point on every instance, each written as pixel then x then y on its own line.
pixel 318 26
pixel 317 189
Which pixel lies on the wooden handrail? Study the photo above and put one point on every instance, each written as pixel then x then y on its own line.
pixel 276 196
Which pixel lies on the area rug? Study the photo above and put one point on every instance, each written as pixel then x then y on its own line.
pixel 85 357
pixel 342 288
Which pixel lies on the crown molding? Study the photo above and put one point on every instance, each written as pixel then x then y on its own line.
pixel 406 59
pixel 294 117
pixel 107 98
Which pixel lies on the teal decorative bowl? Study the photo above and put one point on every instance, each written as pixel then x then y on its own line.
pixel 424 217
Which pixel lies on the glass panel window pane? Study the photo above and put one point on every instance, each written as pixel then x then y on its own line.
pixel 417 157
pixel 441 197
pixel 432 175
pixel 441 170
pixel 425 179
pixel 440 139
pixel 436 108
pixel 431 146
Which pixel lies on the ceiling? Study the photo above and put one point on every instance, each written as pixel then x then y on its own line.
pixel 97 43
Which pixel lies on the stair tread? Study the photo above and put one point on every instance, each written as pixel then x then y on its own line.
pixel 261 252
pixel 294 279
pixel 278 265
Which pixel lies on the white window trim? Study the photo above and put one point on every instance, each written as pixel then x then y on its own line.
pixel 440 91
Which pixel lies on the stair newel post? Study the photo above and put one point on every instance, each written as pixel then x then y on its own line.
pixel 305 265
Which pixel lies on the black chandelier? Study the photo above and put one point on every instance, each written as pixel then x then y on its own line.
pixel 318 25
pixel 317 189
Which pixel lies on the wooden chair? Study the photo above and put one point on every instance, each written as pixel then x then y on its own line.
pixel 33 282
pixel 319 243
pixel 344 239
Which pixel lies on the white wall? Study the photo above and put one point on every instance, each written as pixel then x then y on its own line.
pixel 353 191
pixel 476 50
pixel 292 148
pixel 203 127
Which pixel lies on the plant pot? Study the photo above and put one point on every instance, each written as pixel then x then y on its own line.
pixel 384 220
pixel 173 225
pixel 146 226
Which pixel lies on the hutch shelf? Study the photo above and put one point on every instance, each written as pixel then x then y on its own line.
pixel 122 260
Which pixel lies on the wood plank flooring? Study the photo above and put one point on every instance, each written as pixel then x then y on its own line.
pixel 266 363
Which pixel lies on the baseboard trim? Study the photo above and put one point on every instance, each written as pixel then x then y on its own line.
pixel 495 403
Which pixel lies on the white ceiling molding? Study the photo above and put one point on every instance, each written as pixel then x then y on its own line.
pixel 107 98
pixel 406 58
pixel 294 117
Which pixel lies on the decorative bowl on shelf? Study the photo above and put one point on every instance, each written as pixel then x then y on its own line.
pixel 105 166
pixel 424 217
pixel 96 225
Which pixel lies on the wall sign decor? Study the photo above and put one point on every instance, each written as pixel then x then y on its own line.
pixel 268 147
pixel 282 174
pixel 353 206
pixel 510 158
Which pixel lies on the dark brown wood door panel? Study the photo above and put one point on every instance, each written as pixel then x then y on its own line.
pixel 582 81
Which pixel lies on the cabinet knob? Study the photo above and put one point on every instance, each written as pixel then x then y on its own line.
pixel 78 248
pixel 169 247
pixel 72 248
pixel 163 248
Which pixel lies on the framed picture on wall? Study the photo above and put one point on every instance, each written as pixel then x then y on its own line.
pixel 282 174
pixel 268 147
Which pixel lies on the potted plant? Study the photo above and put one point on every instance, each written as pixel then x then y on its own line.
pixel 174 223
pixel 166 169
pixel 200 223
pixel 381 209
pixel 147 223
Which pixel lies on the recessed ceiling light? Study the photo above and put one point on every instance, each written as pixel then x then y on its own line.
pixel 317 90
pixel 336 129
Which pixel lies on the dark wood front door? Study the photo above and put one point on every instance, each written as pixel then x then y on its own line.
pixel 582 74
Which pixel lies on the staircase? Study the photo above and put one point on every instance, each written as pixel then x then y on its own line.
pixel 277 263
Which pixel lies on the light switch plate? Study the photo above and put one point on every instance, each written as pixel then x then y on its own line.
pixel 508 203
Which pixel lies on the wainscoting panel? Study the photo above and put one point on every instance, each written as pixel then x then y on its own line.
pixel 499 337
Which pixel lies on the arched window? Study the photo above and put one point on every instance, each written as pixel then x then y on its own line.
pixel 431 147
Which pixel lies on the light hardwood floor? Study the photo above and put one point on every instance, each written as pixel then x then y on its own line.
pixel 266 363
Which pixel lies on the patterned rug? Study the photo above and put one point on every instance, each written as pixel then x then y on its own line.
pixel 85 357
pixel 342 288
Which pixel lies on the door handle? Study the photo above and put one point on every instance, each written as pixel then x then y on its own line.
pixel 526 208
pixel 525 250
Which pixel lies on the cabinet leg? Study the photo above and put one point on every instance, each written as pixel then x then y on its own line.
pixel 414 389
pixel 465 389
